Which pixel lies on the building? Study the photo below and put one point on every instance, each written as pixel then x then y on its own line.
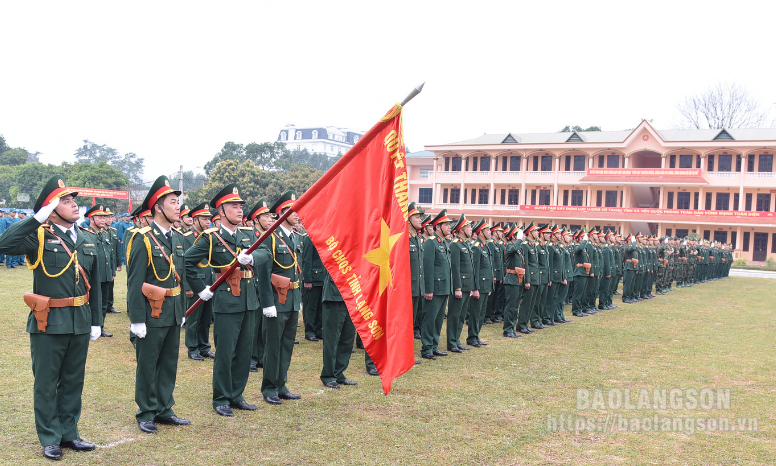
pixel 328 140
pixel 717 183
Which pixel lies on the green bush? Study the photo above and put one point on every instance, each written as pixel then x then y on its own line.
pixel 740 262
pixel 770 263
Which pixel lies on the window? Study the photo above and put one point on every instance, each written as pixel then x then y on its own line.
pixel 467 164
pixel 474 196
pixel 720 236
pixel 763 202
pixel 685 161
pixel 706 234
pixel 708 201
pixel 612 161
pixel 544 197
pixel 546 163
pixel 670 203
pixel 773 242
pixel 514 163
pixel 424 195
pixel 315 134
pixel 444 196
pixel 503 196
pixel 475 160
pixel 536 163
pixel 565 197
pixel 533 197
pixel 683 201
pixel 611 198
pixel 695 201
pixel 599 198
pixel 748 202
pixel 465 192
pixel 577 197
pixel 725 163
pixel 733 238
pixel 750 163
pixel 698 161
pixel 568 163
pixel 514 197
pixel 425 172
pixel 723 201
pixel 766 163
pixel 575 227
pixel 504 161
pixel 736 200
pixel 600 161
pixel 681 232
pixel 579 163
pixel 283 136
pixel 455 195
pixel 485 164
pixel 447 164
pixel 298 135
pixel 672 161
pixel 456 164
pixel 710 163
pixel 483 196
pixel 738 162
pixel 668 232
pixel 746 241
pixel 355 139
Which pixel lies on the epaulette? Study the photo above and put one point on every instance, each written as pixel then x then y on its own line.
pixel 455 240
pixel 245 228
pixel 85 229
pixel 47 226
pixel 210 230
pixel 304 233
pixel 112 228
pixel 144 230
pixel 188 233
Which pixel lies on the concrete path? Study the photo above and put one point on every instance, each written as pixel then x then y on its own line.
pixel 752 273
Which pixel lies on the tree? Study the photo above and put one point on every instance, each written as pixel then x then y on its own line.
pixel 3 146
pixel 722 106
pixel 14 157
pixel 267 155
pixel 191 180
pixel 569 129
pixel 129 164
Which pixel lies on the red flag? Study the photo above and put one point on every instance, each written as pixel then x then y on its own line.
pixel 356 216
pixel 94 201
pixel 129 208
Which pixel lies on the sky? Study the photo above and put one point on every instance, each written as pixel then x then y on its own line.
pixel 173 81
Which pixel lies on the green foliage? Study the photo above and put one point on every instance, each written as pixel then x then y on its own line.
pixel 577 128
pixel 770 263
pixel 267 155
pixel 695 237
pixel 191 180
pixel 740 262
pixel 129 164
pixel 14 157
pixel 314 160
pixel 3 145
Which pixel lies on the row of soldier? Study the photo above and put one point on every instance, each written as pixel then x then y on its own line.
pixel 473 274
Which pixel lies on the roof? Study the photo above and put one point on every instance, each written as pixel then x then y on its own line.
pixel 423 154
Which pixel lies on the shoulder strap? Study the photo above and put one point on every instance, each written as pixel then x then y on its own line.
pixel 169 261
pixel 80 269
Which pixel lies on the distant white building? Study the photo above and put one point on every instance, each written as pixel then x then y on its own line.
pixel 328 140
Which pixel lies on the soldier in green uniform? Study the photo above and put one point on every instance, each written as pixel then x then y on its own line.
pixel 261 218
pixel 155 255
pixel 426 232
pixel 493 312
pixel 416 265
pixel 142 219
pixel 556 263
pixel 462 271
pixel 313 273
pixel 537 313
pixel 606 272
pixel 567 256
pixel 531 278
pixel 97 215
pixel 338 335
pixel 280 312
pixel 514 268
pixel 69 313
pixel 630 269
pixel 438 286
pixel 484 279
pixel 116 247
pixel 583 254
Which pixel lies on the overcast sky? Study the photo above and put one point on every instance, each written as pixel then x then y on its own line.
pixel 173 81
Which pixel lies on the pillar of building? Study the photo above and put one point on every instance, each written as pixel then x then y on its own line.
pixel 662 160
pixel 741 197
pixel 701 199
pixel 662 205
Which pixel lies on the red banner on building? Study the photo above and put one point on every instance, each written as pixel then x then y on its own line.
pixel 102 193
pixel 356 216
pixel 638 210
pixel 645 171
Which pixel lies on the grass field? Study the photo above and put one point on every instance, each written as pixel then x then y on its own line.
pixel 486 406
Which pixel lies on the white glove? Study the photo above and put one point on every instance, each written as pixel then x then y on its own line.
pixel 270 311
pixel 519 234
pixel 666 241
pixel 245 259
pixel 633 240
pixel 585 237
pixel 183 322
pixel 206 294
pixel 43 214
pixel 95 332
pixel 138 329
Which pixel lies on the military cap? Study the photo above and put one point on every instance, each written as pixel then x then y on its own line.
pixel 425 221
pixel 185 210
pixel 510 232
pixel 441 217
pixel 412 209
pixel 216 216
pixel 97 209
pixel 555 229
pixel 544 228
pixel 55 188
pixel 258 209
pixel 531 227
pixel 159 189
pixel 286 200
pixel 460 223
pixel 229 193
pixel 200 210
pixel 608 234
pixel 481 225
pixel 497 227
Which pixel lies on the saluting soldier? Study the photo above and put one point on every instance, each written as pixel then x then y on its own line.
pixel 564 240
pixel 438 286
pixel 155 307
pixel 537 314
pixel 234 302
pixel 65 311
pixel 462 270
pixel 281 298
pixel 514 268
pixel 96 216
pixel 607 271
pixel 557 263
pixel 583 274
pixel 484 278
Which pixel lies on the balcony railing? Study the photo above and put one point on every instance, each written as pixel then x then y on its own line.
pixel 578 174
pixel 760 175
pixel 720 174
pixel 448 206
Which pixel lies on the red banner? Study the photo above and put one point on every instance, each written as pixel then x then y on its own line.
pixel 645 171
pixel 356 216
pixel 102 193
pixel 638 210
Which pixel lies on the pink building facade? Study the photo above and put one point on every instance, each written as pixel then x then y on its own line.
pixel 718 183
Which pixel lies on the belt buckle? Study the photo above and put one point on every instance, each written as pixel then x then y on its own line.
pixel 79 301
pixel 176 291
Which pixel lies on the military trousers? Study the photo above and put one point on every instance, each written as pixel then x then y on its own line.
pixel 526 306
pixel 109 300
pixel 629 280
pixel 538 306
pixel 560 301
pixel 637 284
pixel 433 317
pixel 233 336
pixel 257 348
pixel 603 292
pixel 104 291
pixel 590 292
pixel 455 308
pixel 578 300
pixel 58 366
pixel 511 306
pixel 477 308
pixel 550 303
pixel 417 315
pixel 311 312
pixel 615 284
pixel 279 336
pixel 157 368
pixel 338 336
pixel 198 327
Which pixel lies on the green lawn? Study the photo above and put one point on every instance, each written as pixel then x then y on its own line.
pixel 487 406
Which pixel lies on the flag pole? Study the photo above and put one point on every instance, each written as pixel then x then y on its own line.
pixel 412 94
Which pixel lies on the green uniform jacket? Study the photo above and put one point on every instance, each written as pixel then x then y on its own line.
pixel 556 261
pixel 22 238
pixel 514 258
pixel 483 266
pixel 330 291
pixel 531 256
pixel 313 270
pixel 104 252
pixel 436 261
pixel 115 245
pixel 608 261
pixel 631 252
pixel 208 247
pixel 462 265
pixel 617 250
pixel 188 241
pixel 416 265
pixel 284 256
pixel 568 256
pixel 583 252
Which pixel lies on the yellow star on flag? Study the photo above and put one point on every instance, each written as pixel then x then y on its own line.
pixel 380 256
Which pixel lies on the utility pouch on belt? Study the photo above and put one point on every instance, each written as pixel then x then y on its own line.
pixel 684 260
pixel 281 285
pixel 234 280
pixel 40 309
pixel 155 295
pixel 587 266
pixel 700 258
pixel 520 274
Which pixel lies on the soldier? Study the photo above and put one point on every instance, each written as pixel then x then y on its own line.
pixel 607 271
pixel 261 218
pixel 514 266
pixel 416 265
pixel 438 286
pixel 338 335
pixel 281 298
pixel 494 311
pixel 531 278
pixel 567 253
pixel 155 307
pixel 313 273
pixel 116 262
pixel 583 274
pixel 556 274
pixel 484 278
pixel 66 311
pixel 537 313
pixel 462 271
pixel 96 216
pixel 425 233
